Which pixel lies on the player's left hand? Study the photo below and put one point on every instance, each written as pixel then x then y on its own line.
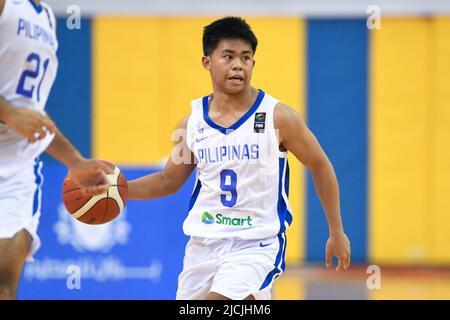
pixel 338 245
pixel 90 174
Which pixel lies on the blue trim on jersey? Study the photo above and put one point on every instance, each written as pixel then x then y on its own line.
pixel 282 208
pixel 36 7
pixel 275 272
pixel 38 181
pixel 286 189
pixel 286 180
pixel 195 194
pixel 283 262
pixel 238 123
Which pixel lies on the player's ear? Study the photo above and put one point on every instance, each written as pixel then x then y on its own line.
pixel 206 61
pixel 254 62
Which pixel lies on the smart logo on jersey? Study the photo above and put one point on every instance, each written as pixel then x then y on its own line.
pixel 207 218
pixel 260 122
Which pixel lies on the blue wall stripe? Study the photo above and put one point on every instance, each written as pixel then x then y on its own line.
pixel 337 60
pixel 69 103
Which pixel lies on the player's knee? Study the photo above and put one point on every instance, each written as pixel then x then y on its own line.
pixel 7 292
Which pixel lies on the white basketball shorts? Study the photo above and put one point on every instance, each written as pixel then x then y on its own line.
pixel 20 204
pixel 231 267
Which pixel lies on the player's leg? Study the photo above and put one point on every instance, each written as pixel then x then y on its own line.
pixel 13 253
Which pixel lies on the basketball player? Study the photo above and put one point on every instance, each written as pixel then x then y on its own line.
pixel 28 67
pixel 238 138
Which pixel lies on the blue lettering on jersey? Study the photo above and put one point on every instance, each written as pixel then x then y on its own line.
pixel 236 152
pixel 228 153
pixel 34 32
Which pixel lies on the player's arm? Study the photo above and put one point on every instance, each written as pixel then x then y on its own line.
pixel 295 136
pixel 29 123
pixel 2 5
pixel 35 125
pixel 172 177
pixel 89 173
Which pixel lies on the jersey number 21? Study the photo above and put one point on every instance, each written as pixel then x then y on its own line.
pixel 32 74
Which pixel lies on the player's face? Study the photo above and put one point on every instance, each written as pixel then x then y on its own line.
pixel 231 65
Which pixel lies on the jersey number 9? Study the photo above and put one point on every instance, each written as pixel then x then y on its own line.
pixel 228 186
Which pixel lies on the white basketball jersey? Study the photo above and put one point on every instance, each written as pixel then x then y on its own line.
pixel 241 190
pixel 28 66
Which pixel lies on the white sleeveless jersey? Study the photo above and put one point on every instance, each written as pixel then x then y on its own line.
pixel 28 66
pixel 241 190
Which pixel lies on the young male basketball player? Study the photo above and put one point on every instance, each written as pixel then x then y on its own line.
pixel 238 138
pixel 28 65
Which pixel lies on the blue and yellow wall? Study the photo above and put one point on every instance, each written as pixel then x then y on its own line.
pixel 378 101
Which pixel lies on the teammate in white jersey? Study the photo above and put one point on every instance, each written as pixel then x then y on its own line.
pixel 238 138
pixel 28 66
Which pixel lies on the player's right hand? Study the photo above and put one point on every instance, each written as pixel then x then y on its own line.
pixel 338 245
pixel 90 174
pixel 30 123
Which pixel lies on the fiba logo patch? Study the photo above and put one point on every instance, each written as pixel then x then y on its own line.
pixel 94 238
pixel 260 122
pixel 207 218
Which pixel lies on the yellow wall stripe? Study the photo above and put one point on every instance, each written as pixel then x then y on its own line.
pixel 146 71
pixel 399 138
pixel 410 142
pixel 126 95
pixel 441 125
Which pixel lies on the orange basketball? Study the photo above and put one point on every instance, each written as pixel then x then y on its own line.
pixel 96 209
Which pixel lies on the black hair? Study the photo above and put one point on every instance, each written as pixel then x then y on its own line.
pixel 227 28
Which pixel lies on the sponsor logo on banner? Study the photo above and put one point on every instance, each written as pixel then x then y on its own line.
pixel 93 238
